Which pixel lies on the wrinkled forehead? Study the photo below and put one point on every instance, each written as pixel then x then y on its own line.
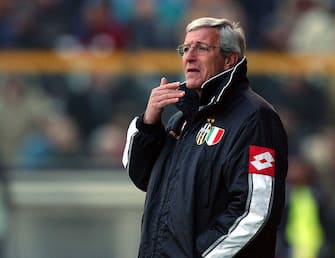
pixel 205 34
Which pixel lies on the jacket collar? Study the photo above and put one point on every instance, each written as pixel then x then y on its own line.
pixel 213 90
pixel 215 87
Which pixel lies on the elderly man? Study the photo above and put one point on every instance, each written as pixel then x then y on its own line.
pixel 214 176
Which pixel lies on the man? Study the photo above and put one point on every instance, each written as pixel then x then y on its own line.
pixel 215 175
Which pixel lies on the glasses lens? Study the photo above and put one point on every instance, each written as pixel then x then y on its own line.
pixel 186 48
pixel 199 48
pixel 180 50
pixel 202 47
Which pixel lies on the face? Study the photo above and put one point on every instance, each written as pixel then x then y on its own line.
pixel 200 66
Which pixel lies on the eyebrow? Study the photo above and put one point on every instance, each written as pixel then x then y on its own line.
pixel 197 42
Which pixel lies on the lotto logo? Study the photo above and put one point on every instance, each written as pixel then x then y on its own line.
pixel 261 160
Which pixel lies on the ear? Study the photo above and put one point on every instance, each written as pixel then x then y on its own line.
pixel 230 60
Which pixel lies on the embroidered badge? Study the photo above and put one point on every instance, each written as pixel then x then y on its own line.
pixel 201 136
pixel 214 135
pixel 209 133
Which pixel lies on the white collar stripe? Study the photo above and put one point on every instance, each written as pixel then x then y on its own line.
pixel 230 79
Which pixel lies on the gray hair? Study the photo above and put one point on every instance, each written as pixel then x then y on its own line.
pixel 232 37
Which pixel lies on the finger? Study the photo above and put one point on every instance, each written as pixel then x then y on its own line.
pixel 166 85
pixel 165 102
pixel 163 93
pixel 163 81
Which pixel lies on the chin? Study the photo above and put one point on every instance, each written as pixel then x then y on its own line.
pixel 193 84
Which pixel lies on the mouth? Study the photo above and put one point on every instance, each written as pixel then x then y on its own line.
pixel 192 70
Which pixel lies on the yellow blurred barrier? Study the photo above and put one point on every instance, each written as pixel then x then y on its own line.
pixel 146 61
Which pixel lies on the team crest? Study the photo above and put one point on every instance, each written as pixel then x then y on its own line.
pixel 202 134
pixel 209 134
pixel 214 135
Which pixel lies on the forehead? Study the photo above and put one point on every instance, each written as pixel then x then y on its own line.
pixel 207 35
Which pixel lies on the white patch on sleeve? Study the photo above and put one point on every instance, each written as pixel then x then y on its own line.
pixel 260 199
pixel 132 131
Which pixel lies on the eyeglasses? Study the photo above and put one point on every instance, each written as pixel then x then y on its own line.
pixel 200 48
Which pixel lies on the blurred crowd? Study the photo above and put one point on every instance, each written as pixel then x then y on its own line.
pixel 78 120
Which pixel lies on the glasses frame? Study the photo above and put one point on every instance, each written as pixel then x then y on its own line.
pixel 200 47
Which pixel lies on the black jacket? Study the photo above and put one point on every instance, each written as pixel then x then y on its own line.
pixel 216 187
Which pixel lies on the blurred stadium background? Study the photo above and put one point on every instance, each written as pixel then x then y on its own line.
pixel 74 72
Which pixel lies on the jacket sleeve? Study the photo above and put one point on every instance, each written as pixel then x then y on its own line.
pixel 255 181
pixel 143 146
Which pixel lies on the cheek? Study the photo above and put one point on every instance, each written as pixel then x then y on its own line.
pixel 214 68
pixel 209 70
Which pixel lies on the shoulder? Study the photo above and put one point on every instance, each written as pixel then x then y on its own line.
pixel 248 109
pixel 253 104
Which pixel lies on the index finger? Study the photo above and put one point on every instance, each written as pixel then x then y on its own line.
pixel 166 85
pixel 163 81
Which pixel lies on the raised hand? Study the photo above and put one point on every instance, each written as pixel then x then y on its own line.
pixel 162 96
